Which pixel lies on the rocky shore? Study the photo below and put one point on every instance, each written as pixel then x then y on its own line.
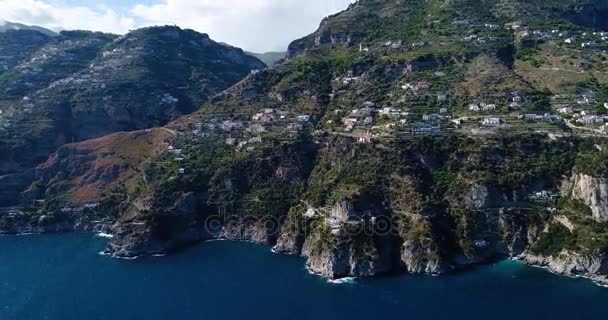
pixel 571 264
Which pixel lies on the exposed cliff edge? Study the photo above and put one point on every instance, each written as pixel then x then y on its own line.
pixel 594 267
pixel 593 192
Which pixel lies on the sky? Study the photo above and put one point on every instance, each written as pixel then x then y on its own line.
pixel 255 25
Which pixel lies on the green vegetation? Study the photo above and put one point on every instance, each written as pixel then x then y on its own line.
pixel 552 243
pixel 592 158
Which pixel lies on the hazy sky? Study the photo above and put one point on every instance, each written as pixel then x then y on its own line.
pixel 257 25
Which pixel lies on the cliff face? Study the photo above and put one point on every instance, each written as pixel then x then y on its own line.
pixel 348 214
pixel 567 263
pixel 593 192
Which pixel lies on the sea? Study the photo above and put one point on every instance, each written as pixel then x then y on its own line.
pixel 63 277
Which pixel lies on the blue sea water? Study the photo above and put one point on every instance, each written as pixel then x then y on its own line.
pixel 61 277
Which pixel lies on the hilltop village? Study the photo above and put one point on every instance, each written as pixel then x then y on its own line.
pixel 422 103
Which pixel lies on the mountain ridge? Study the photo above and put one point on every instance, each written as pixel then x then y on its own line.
pixel 7 25
pixel 81 85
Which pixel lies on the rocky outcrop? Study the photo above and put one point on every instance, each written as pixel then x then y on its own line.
pixel 343 211
pixel 568 263
pixel 516 235
pixel 353 250
pixel 483 196
pixel 256 231
pixel 422 257
pixel 420 252
pixel 327 259
pixel 294 231
pixel 592 191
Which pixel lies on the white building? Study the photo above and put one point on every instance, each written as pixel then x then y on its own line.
pixel 590 119
pixel 488 107
pixel 387 111
pixel 304 118
pixel 491 121
pixel 429 117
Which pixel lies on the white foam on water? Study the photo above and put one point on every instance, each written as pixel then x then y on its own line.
pixel 215 240
pixel 347 280
pixel 105 235
pixel 101 253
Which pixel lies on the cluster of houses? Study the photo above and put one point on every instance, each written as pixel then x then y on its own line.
pixel 586 118
pixel 425 128
pixel 246 143
pixel 543 195
pixel 586 98
pixel 243 134
pixel 516 100
pixel 583 101
pixel 418 89
pixel 580 39
pixel 471 36
pixel 482 107
pixel 482 33
pixel 367 115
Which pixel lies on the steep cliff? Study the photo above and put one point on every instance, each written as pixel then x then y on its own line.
pixel 593 192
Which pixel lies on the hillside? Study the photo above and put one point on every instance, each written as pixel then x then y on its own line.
pixel 417 136
pixel 18 45
pixel 82 85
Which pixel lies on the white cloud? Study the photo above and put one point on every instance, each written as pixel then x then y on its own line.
pixel 42 13
pixel 258 25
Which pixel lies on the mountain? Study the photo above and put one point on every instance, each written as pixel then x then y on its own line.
pixel 18 46
pixel 402 135
pixel 269 58
pixel 59 57
pixel 6 26
pixel 82 85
